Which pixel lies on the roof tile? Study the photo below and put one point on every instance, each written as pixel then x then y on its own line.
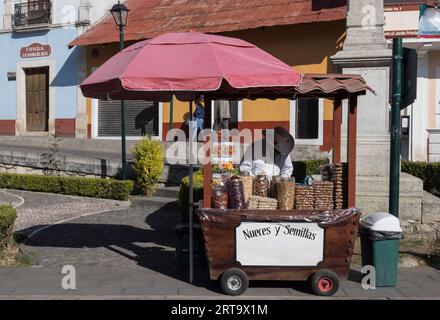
pixel 150 18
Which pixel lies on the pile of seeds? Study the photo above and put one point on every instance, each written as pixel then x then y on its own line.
pixel 323 195
pixel 339 178
pixel 286 194
pixel 262 203
pixel 304 198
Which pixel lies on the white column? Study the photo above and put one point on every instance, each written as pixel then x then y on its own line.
pixel 418 110
pixel 81 115
pixel 8 14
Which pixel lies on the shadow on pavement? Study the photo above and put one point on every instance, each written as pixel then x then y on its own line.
pixel 151 245
pixel 148 242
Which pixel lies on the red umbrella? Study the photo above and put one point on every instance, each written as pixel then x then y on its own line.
pixel 187 65
pixel 183 64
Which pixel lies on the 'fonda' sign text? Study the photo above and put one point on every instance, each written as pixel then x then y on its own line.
pixel 35 50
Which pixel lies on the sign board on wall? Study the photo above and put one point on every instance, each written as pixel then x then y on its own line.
pixel 401 22
pixel 279 244
pixel 35 50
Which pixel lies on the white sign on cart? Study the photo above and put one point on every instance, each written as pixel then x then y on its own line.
pixel 279 244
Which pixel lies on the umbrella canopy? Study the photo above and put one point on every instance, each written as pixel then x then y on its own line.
pixel 187 64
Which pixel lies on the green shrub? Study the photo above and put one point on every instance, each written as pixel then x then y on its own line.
pixel 7 219
pixel 74 186
pixel 149 163
pixel 184 193
pixel 302 169
pixel 429 173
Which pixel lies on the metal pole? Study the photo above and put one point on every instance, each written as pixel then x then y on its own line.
pixel 171 115
pixel 123 128
pixel 396 126
pixel 191 197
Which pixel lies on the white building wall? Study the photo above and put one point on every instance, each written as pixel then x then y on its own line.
pixel 65 12
pixel 419 112
pixel 98 9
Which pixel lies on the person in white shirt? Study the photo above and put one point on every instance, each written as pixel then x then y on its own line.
pixel 276 162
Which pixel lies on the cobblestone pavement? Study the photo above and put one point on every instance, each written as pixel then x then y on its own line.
pixel 38 210
pixel 129 254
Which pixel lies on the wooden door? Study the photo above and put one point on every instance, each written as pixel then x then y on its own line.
pixel 37 99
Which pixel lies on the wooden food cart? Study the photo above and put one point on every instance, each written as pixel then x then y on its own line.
pixel 316 245
pixel 191 64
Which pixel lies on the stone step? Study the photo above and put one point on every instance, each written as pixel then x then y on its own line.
pixel 430 208
pixel 168 192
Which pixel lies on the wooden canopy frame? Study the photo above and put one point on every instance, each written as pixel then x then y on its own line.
pixel 334 87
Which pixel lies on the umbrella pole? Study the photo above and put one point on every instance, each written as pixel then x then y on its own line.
pixel 191 197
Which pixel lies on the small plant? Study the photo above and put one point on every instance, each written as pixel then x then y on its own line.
pixel 149 163
pixel 7 218
pixel 428 172
pixel 50 160
pixel 434 244
pixel 184 193
pixel 73 186
pixel 226 168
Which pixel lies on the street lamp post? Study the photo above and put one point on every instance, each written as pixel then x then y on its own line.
pixel 120 14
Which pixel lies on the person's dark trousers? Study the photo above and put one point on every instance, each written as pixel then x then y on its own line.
pixel 220 124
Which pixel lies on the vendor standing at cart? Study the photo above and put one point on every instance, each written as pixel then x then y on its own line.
pixel 279 164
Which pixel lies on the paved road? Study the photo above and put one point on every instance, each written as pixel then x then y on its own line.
pixel 130 254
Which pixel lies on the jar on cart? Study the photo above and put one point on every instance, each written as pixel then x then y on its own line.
pixel 261 186
pixel 219 193
pixel 274 183
pixel 235 194
pixel 286 194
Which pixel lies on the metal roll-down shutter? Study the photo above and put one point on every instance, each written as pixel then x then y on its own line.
pixel 142 118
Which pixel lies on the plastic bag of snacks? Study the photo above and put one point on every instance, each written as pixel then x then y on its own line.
pixel 274 186
pixel 247 187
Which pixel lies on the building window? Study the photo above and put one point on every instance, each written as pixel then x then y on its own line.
pixel 32 12
pixel 306 120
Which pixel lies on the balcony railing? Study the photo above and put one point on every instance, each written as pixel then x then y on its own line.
pixel 32 13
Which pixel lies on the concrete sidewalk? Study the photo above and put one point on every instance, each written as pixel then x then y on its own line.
pixel 130 254
pixel 110 283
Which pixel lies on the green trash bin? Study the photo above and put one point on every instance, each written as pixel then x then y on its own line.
pixel 380 235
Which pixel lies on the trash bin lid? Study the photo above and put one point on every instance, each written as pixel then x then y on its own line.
pixel 381 221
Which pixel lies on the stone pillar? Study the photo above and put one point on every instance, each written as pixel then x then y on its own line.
pixel 81 123
pixel 366 52
pixel 83 23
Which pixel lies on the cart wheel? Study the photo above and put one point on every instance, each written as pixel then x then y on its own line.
pixel 234 282
pixel 324 283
